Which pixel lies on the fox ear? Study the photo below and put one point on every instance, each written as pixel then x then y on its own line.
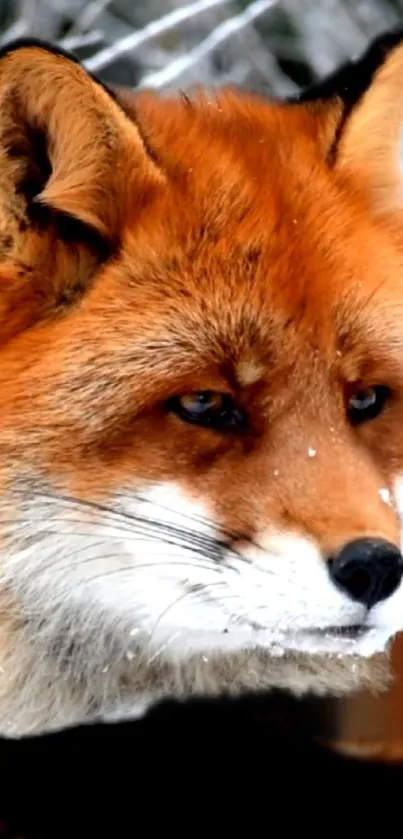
pixel 63 139
pixel 69 156
pixel 364 106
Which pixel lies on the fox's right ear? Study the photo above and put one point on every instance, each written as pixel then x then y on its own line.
pixel 362 106
pixel 71 161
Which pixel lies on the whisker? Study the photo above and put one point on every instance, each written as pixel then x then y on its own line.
pixel 199 519
pixel 163 564
pixel 160 531
pixel 163 647
pixel 48 497
pixel 185 541
pixel 177 634
pixel 182 597
pixel 184 545
pixel 120 525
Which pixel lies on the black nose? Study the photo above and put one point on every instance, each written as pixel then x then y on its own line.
pixel 368 570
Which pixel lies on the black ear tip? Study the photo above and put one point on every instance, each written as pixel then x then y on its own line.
pixel 350 81
pixel 53 49
pixel 379 49
pixel 26 43
pixel 388 40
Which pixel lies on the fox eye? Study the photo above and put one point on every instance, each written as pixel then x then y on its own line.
pixel 366 404
pixel 209 409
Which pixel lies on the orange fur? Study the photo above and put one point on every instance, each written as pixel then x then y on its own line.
pixel 205 269
pixel 156 247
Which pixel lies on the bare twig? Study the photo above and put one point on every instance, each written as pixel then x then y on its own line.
pixel 17 29
pixel 87 39
pixel 88 16
pixel 157 27
pixel 206 41
pixel 220 34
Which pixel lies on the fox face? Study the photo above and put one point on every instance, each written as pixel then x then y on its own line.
pixel 201 389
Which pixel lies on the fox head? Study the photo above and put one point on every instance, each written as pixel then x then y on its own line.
pixel 201 388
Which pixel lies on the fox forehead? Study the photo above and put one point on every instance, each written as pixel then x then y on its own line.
pixel 251 219
pixel 240 259
pixel 219 296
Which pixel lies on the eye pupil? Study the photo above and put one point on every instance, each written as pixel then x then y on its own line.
pixel 201 402
pixel 363 399
pixel 366 404
pixel 209 409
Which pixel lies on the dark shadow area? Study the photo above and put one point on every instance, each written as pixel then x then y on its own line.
pixel 187 768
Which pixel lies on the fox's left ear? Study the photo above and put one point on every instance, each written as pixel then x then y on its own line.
pixel 73 167
pixel 364 103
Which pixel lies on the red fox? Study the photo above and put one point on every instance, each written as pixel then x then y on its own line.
pixel 201 389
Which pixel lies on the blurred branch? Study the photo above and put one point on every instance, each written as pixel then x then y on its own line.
pixel 75 42
pixel 18 29
pixel 152 30
pixel 217 37
pixel 259 56
pixel 164 43
pixel 88 16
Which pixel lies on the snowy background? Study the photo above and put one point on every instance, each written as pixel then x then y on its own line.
pixel 266 45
